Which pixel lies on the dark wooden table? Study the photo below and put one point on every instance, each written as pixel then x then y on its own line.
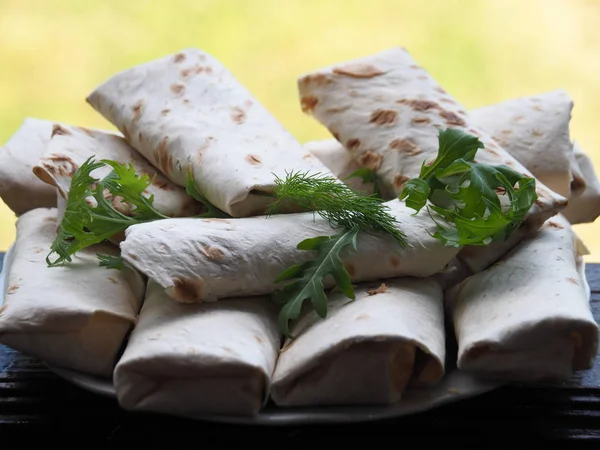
pixel 37 404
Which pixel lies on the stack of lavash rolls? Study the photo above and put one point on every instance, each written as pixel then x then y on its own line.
pixel 187 326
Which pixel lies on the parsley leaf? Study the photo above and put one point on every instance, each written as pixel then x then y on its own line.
pixel 476 204
pixel 98 209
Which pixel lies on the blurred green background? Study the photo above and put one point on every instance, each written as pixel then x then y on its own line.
pixel 54 52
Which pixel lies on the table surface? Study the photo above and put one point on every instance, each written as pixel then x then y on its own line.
pixel 36 403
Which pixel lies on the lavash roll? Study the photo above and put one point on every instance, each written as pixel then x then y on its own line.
pixel 187 111
pixel 61 208
pixel 368 350
pixel 579 180
pixel 202 359
pixel 387 111
pixel 533 129
pixel 528 317
pixel 340 162
pixel 584 203
pixel 75 316
pixel 20 189
pixel 208 259
pixel 71 146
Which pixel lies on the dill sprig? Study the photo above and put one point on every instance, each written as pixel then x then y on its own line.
pixel 337 203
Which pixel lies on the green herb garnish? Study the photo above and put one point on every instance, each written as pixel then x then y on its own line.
pixel 367 176
pixel 308 277
pixel 99 209
pixel 191 190
pixel 336 202
pixel 467 195
pixel 111 262
pixel 90 217
pixel 345 209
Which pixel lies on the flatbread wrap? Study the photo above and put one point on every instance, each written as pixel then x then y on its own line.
pixel 61 207
pixel 340 162
pixel 388 111
pixel 584 203
pixel 71 146
pixel 368 350
pixel 20 189
pixel 209 259
pixel 533 129
pixel 188 112
pixel 76 316
pixel 528 317
pixel 203 359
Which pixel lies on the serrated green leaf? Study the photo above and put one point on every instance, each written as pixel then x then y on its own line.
pixel 318 300
pixel 120 200
pixel 458 167
pixel 415 193
pixel 289 273
pixel 312 243
pixel 454 144
pixel 308 283
pixel 110 261
pixel 469 198
pixel 279 296
pixel 524 197
pixel 85 224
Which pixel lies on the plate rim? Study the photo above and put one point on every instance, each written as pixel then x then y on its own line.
pixel 274 415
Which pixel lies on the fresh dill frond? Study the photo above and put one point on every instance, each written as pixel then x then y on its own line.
pixel 339 204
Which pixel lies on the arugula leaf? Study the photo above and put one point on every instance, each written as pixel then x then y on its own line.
pixel 454 144
pixel 111 262
pixel 306 280
pixel 475 204
pixel 344 208
pixel 98 209
pixel 367 176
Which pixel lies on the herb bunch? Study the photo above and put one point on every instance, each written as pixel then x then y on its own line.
pixel 471 203
pixel 95 209
pixel 346 210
